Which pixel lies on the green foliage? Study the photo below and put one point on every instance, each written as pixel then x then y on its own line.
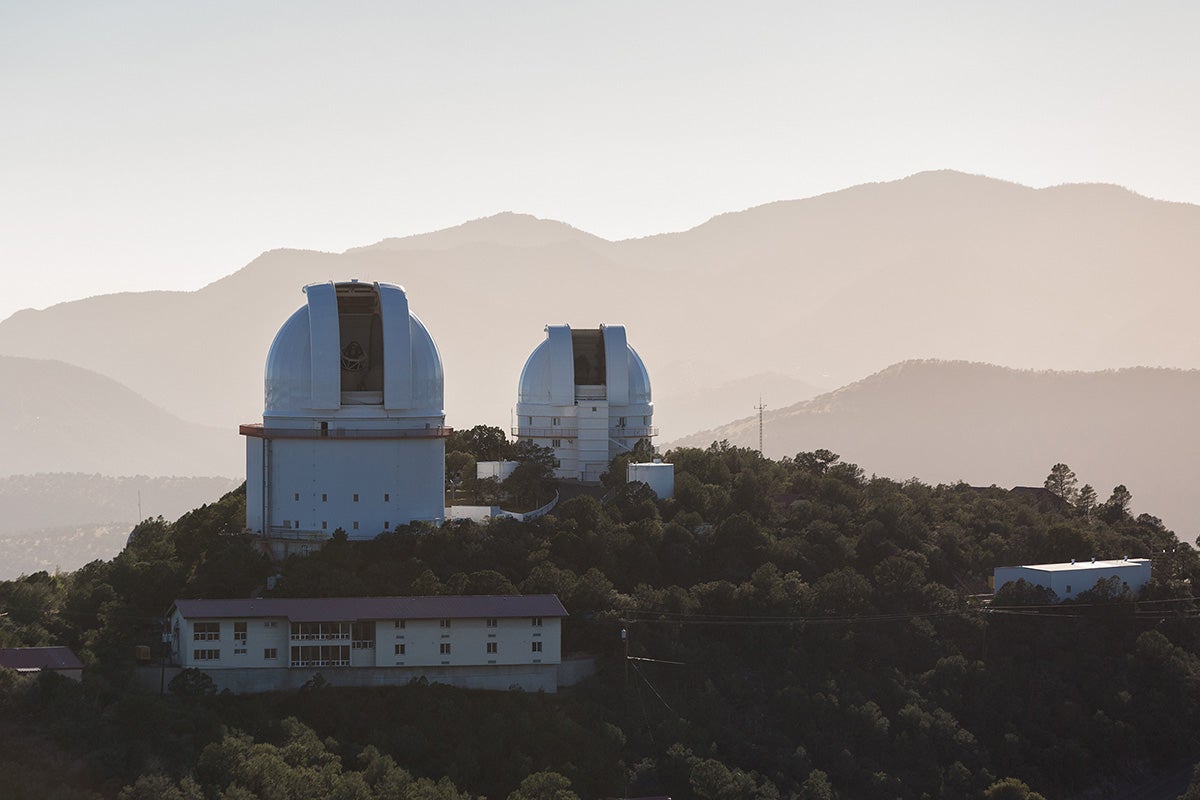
pixel 191 682
pixel 809 633
pixel 1061 481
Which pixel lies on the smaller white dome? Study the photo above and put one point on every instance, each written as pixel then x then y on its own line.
pixel 549 375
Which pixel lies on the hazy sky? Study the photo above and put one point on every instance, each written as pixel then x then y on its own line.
pixel 162 145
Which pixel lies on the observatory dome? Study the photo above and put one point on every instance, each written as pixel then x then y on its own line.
pixel 585 394
pixel 354 349
pixel 569 358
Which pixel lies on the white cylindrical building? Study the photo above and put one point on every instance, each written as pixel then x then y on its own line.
pixel 585 394
pixel 353 431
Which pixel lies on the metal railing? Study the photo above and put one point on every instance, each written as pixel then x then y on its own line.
pixel 628 432
pixel 261 432
pixel 546 433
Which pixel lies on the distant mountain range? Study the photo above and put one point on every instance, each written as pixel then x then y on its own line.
pixel 55 417
pixel 64 520
pixel 778 302
pixel 945 421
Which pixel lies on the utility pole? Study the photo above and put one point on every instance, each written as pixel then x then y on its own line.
pixel 760 407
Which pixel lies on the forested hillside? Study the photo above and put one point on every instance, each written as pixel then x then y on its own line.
pixel 800 631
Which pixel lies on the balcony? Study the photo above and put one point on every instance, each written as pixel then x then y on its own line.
pixel 628 432
pixel 258 431
pixel 545 433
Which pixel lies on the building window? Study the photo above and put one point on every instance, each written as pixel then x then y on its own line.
pixel 491 647
pixel 270 653
pixel 529 420
pixel 324 525
pixel 206 655
pixel 297 523
pixel 324 498
pixel 320 630
pixel 400 624
pixel 443 623
pixel 239 651
pixel 362 635
pixel 620 422
pixel 556 442
pixel 387 498
pixel 444 648
pixel 400 649
pixel 554 420
pixel 356 498
pixel 297 496
pixel 270 623
pixel 386 524
pixel 323 655
pixel 1068 588
pixel 535 647
pixel 206 631
pixel 491 623
pixel 355 523
pixel 239 632
pixel 537 622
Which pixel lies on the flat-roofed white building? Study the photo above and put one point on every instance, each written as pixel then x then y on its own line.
pixel 353 429
pixel 1069 579
pixel 585 394
pixel 472 641
pixel 658 476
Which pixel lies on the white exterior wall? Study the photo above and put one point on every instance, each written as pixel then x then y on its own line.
pixel 397 482
pixel 260 634
pixel 593 445
pixel 1069 580
pixel 468 639
pixel 494 469
pixel 658 476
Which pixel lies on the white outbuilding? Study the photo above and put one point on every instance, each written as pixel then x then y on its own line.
pixel 658 476
pixel 585 394
pixel 1068 580
pixel 353 431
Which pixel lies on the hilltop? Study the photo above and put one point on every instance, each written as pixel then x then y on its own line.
pixel 949 421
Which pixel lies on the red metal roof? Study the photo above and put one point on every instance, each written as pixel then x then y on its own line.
pixel 340 609
pixel 28 658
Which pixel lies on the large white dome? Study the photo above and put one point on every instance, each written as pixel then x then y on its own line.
pixel 353 349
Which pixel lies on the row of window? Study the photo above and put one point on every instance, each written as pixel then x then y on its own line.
pixel 332 655
pixel 324 655
pixel 359 631
pixel 295 523
pixel 320 630
pixel 269 653
pixel 555 421
pixel 444 648
pixel 387 497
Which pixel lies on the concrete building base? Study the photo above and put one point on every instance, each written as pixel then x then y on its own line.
pixel 526 677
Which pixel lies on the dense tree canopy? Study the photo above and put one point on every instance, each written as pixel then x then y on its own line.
pixel 802 630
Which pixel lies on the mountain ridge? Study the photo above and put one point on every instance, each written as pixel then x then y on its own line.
pixel 945 421
pixel 820 290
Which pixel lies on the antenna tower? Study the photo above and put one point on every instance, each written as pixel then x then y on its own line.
pixel 760 407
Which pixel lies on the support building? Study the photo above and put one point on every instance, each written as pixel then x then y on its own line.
pixel 1069 580
pixel 473 641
